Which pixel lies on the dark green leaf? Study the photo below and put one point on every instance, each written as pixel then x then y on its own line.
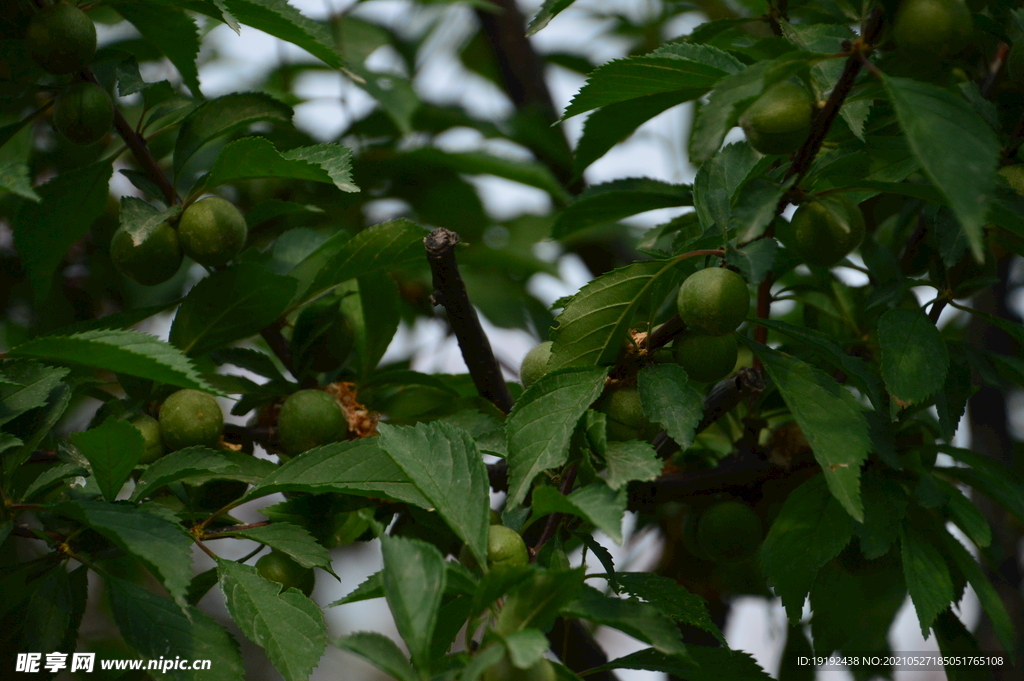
pixel 701 664
pixel 252 157
pixel 54 473
pixel 670 598
pixel 926 574
pixel 291 539
pixel 370 588
pixel 885 504
pixel 914 357
pixel 755 260
pixel 283 21
pixel 414 578
pixel 596 503
pixel 172 31
pixel 14 178
pixel 988 476
pixel 633 460
pixel 545 14
pixel 535 602
pixel 381 652
pixel 54 610
pixel 26 385
pixel 200 464
pixel 636 618
pixel 375 314
pixel 966 515
pixel 615 200
pixel 114 449
pixel 670 401
pixel 951 400
pixel 529 173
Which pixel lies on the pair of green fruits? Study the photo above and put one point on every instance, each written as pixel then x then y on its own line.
pixel 728 532
pixel 188 418
pixel 211 232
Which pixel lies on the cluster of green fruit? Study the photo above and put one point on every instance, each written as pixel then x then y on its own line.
pixel 211 232
pixel 188 418
pixel 728 532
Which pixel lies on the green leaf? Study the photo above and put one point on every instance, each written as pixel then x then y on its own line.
pixel 914 357
pixel 283 21
pixel 140 219
pixel 988 476
pixel 701 664
pixel 717 181
pixel 381 652
pixel 30 430
pixel 443 463
pixel 966 515
pixel 123 352
pixel 542 421
pixel 951 400
pixel 755 260
pixel 354 467
pixel 830 419
pixel 287 625
pixel 529 173
pixel 395 95
pixel 926 574
pixel 228 306
pixel 638 619
pixel 375 314
pixel 114 449
pixel 53 474
pixel 618 199
pixel 596 503
pixel 26 385
pixel 535 602
pixel 414 578
pixel 957 149
pixel 633 460
pixel 670 598
pixel 291 539
pixel 670 401
pixel 161 546
pixel 810 530
pixel 171 31
pixel 252 157
pixel 157 629
pixel 201 464
pixel 15 178
pixel 370 588
pixel 545 14
pixel 592 328
pixel 885 505
pixel 526 647
pixel 54 610
pixel 218 117
pixel 44 231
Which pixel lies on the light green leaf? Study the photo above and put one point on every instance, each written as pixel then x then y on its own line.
pixel 44 231
pixel 914 357
pixel 830 419
pixel 381 652
pixel 526 647
pixel 228 306
pixel 291 539
pixel 26 385
pixel 535 602
pixel 171 31
pixel 636 618
pixel 124 352
pixel 618 199
pixel 414 578
pixel 927 576
pixel 957 149
pixel 113 448
pixel 632 460
pixel 443 463
pixel 252 157
pixel 670 401
pixel 541 422
pixel 287 625
pixel 810 530
pixel 596 503
pixel 157 629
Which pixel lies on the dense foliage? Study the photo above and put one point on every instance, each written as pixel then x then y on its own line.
pixel 758 378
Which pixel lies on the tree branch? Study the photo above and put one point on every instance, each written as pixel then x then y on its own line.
pixel 450 292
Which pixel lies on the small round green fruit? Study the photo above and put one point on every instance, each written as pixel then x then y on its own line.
pixel 714 300
pixel 279 567
pixel 84 113
pixel 150 429
pixel 505 548
pixel 190 418
pixel 323 336
pixel 780 120
pixel 61 39
pixel 212 231
pixel 625 415
pixel 535 363
pixel 308 419
pixel 504 670
pixel 825 230
pixel 937 28
pixel 151 258
pixel 729 532
pixel 705 358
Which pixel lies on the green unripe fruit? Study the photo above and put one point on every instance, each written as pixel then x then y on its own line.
pixel 626 419
pixel 705 358
pixel 714 300
pixel 279 567
pixel 535 364
pixel 151 258
pixel 824 231
pixel 61 39
pixel 212 231
pixel 780 120
pixel 504 670
pixel 729 532
pixel 323 337
pixel 154 444
pixel 495 517
pixel 505 548
pixel 933 27
pixel 308 419
pixel 84 113
pixel 190 418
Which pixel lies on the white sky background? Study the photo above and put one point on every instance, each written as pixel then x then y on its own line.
pixel 657 150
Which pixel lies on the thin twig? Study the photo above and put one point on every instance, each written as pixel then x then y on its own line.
pixel 998 61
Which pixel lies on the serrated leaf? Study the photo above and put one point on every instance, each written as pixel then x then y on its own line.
pixel 629 461
pixel 26 385
pixel 717 181
pixel 988 476
pixel 157 629
pixel 810 530
pixel 830 419
pixel 443 463
pixel 700 664
pixel 354 467
pixel 951 400
pixel 283 21
pixel 414 579
pixel 541 423
pixel 124 352
pixel 54 610
pixel 755 260
pixel 957 149
pixel 286 624
pixel 670 598
pixel 52 474
pixel 171 31
pixel 228 306
pixel 161 546
pixel 636 618
pixel 197 465
pixel 914 356
pixel 926 574
pixel 139 218
pixel 381 652
pixel 291 539
pixel 670 401
pixel 221 116
pixel 545 14
pixel 967 516
pixel 596 503
pixel 885 505
pixel 44 231
pixel 592 328
pixel 618 199
pixel 252 157
pixel 34 427
pixel 114 449
pixel 15 178
pixel 535 602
